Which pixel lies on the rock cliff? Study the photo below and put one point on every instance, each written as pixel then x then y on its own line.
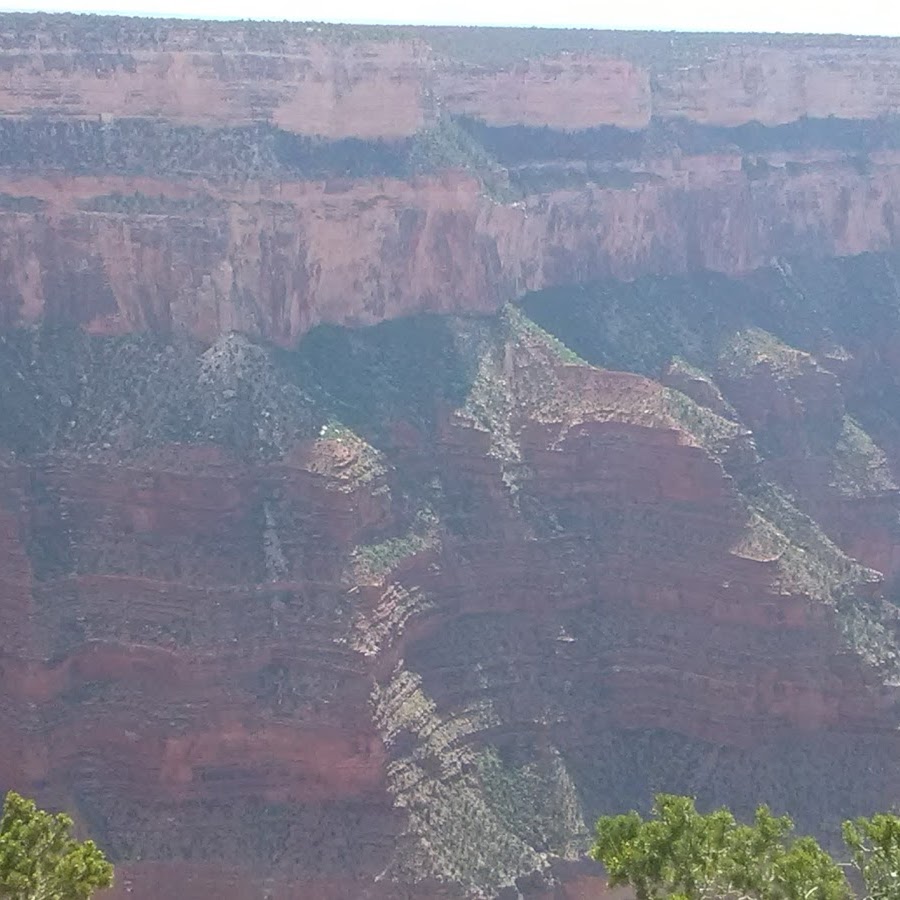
pixel 417 442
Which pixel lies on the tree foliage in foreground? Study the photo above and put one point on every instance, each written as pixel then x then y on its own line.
pixel 40 860
pixel 874 846
pixel 681 854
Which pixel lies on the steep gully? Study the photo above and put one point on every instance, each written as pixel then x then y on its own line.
pixel 296 609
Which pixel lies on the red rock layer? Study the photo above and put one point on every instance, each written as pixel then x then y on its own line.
pixel 775 86
pixel 568 93
pixel 364 89
pixel 277 259
pixel 314 80
pixel 200 671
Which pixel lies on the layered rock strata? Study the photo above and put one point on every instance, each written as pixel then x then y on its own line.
pixel 292 607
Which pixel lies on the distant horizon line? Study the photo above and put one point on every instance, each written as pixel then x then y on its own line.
pixel 402 23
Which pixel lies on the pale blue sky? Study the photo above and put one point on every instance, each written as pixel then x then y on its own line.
pixel 821 16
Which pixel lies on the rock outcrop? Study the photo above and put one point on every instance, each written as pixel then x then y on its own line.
pixel 602 499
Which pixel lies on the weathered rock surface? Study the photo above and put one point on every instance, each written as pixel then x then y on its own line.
pixel 293 609
pixel 387 82
pixel 262 651
pixel 297 254
pixel 262 179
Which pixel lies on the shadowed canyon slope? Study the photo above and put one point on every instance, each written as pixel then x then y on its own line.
pixel 417 442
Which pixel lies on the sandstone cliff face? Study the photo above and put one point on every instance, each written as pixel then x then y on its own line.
pixel 775 86
pixel 292 607
pixel 569 93
pixel 363 89
pixel 369 83
pixel 293 255
pixel 647 159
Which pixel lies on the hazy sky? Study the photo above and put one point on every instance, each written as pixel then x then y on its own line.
pixel 848 16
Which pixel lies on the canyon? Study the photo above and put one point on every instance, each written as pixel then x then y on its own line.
pixel 417 442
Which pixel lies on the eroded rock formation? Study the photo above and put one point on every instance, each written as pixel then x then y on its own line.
pixel 602 499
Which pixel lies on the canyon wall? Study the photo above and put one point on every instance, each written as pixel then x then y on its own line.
pixel 417 442
pixel 265 178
